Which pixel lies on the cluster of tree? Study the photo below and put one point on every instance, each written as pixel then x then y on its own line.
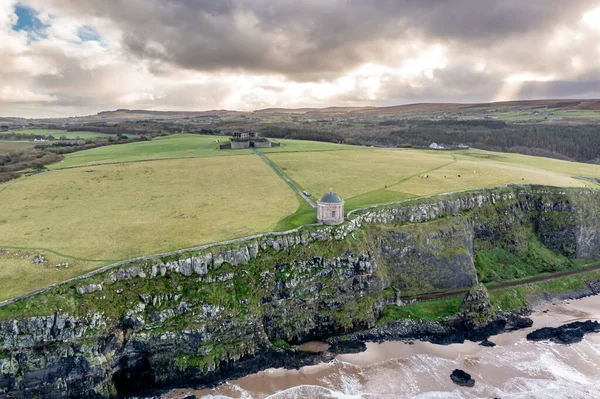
pixel 68 146
pixel 281 132
pixel 574 142
pixel 22 136
pixel 12 163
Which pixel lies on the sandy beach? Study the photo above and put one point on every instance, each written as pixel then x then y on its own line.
pixel 515 368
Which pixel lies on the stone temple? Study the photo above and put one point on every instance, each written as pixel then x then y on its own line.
pixel 330 209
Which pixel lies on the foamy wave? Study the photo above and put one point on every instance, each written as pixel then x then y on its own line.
pixel 312 392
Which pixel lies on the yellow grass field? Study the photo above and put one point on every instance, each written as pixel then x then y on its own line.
pixel 354 172
pixel 114 212
pixel 374 176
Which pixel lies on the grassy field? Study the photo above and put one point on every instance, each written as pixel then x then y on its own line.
pixel 303 145
pixel 354 173
pixel 114 212
pixel 59 133
pixel 7 146
pixel 181 146
pixel 176 146
pixel 371 176
pixel 95 214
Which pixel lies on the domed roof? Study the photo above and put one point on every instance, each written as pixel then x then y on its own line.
pixel 331 198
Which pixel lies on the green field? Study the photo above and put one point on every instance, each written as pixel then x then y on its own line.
pixel 111 212
pixel 371 176
pixel 59 133
pixel 183 191
pixel 182 146
pixel 7 146
pixel 177 146
pixel 303 145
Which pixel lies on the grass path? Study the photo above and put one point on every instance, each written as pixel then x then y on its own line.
pixel 60 254
pixel 285 178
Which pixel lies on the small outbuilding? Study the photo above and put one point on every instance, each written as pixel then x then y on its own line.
pixel 330 209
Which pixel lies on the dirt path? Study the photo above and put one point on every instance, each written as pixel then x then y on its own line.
pixel 285 178
pixel 510 284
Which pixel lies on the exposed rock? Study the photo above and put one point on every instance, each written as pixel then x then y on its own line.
pixel 124 274
pixel 565 334
pixel 462 378
pixel 88 288
pixel 132 321
pixel 476 308
pixel 487 343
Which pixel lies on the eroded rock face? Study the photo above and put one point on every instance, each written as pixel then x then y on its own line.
pixel 476 307
pixel 429 258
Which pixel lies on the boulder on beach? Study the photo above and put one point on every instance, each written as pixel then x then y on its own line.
pixel 462 378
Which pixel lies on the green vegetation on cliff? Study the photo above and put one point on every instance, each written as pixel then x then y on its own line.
pixel 432 310
pixel 498 264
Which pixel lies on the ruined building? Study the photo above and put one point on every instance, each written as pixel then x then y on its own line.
pixel 248 140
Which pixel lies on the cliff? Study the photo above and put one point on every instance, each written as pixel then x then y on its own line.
pixel 200 317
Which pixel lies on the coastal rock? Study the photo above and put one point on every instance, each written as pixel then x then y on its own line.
pixel 88 288
pixel 462 378
pixel 476 308
pixel 565 334
pixel 487 343
pixel 124 274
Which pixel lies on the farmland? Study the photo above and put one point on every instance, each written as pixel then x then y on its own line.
pixel 96 215
pixel 7 146
pixel 177 146
pixel 374 176
pixel 58 133
pixel 181 146
pixel 182 191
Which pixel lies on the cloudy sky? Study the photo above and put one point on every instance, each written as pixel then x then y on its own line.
pixel 78 57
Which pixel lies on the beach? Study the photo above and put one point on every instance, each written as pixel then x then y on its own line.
pixel 515 368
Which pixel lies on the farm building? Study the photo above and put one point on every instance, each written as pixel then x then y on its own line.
pixel 330 209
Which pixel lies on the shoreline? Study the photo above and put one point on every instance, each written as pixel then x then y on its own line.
pixel 550 314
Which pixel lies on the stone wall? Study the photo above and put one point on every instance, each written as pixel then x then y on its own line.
pixel 239 144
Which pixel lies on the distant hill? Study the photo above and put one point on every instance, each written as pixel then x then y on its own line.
pixel 551 110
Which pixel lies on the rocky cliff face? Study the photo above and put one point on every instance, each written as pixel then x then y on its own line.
pixel 197 318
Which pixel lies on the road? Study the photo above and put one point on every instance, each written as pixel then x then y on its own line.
pixel 509 284
pixel 284 177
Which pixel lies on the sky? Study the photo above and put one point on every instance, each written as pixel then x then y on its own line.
pixel 79 57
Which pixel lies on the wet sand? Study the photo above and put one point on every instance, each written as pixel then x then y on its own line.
pixel 515 368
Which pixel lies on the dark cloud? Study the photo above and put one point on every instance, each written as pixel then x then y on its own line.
pixel 306 38
pixel 198 54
